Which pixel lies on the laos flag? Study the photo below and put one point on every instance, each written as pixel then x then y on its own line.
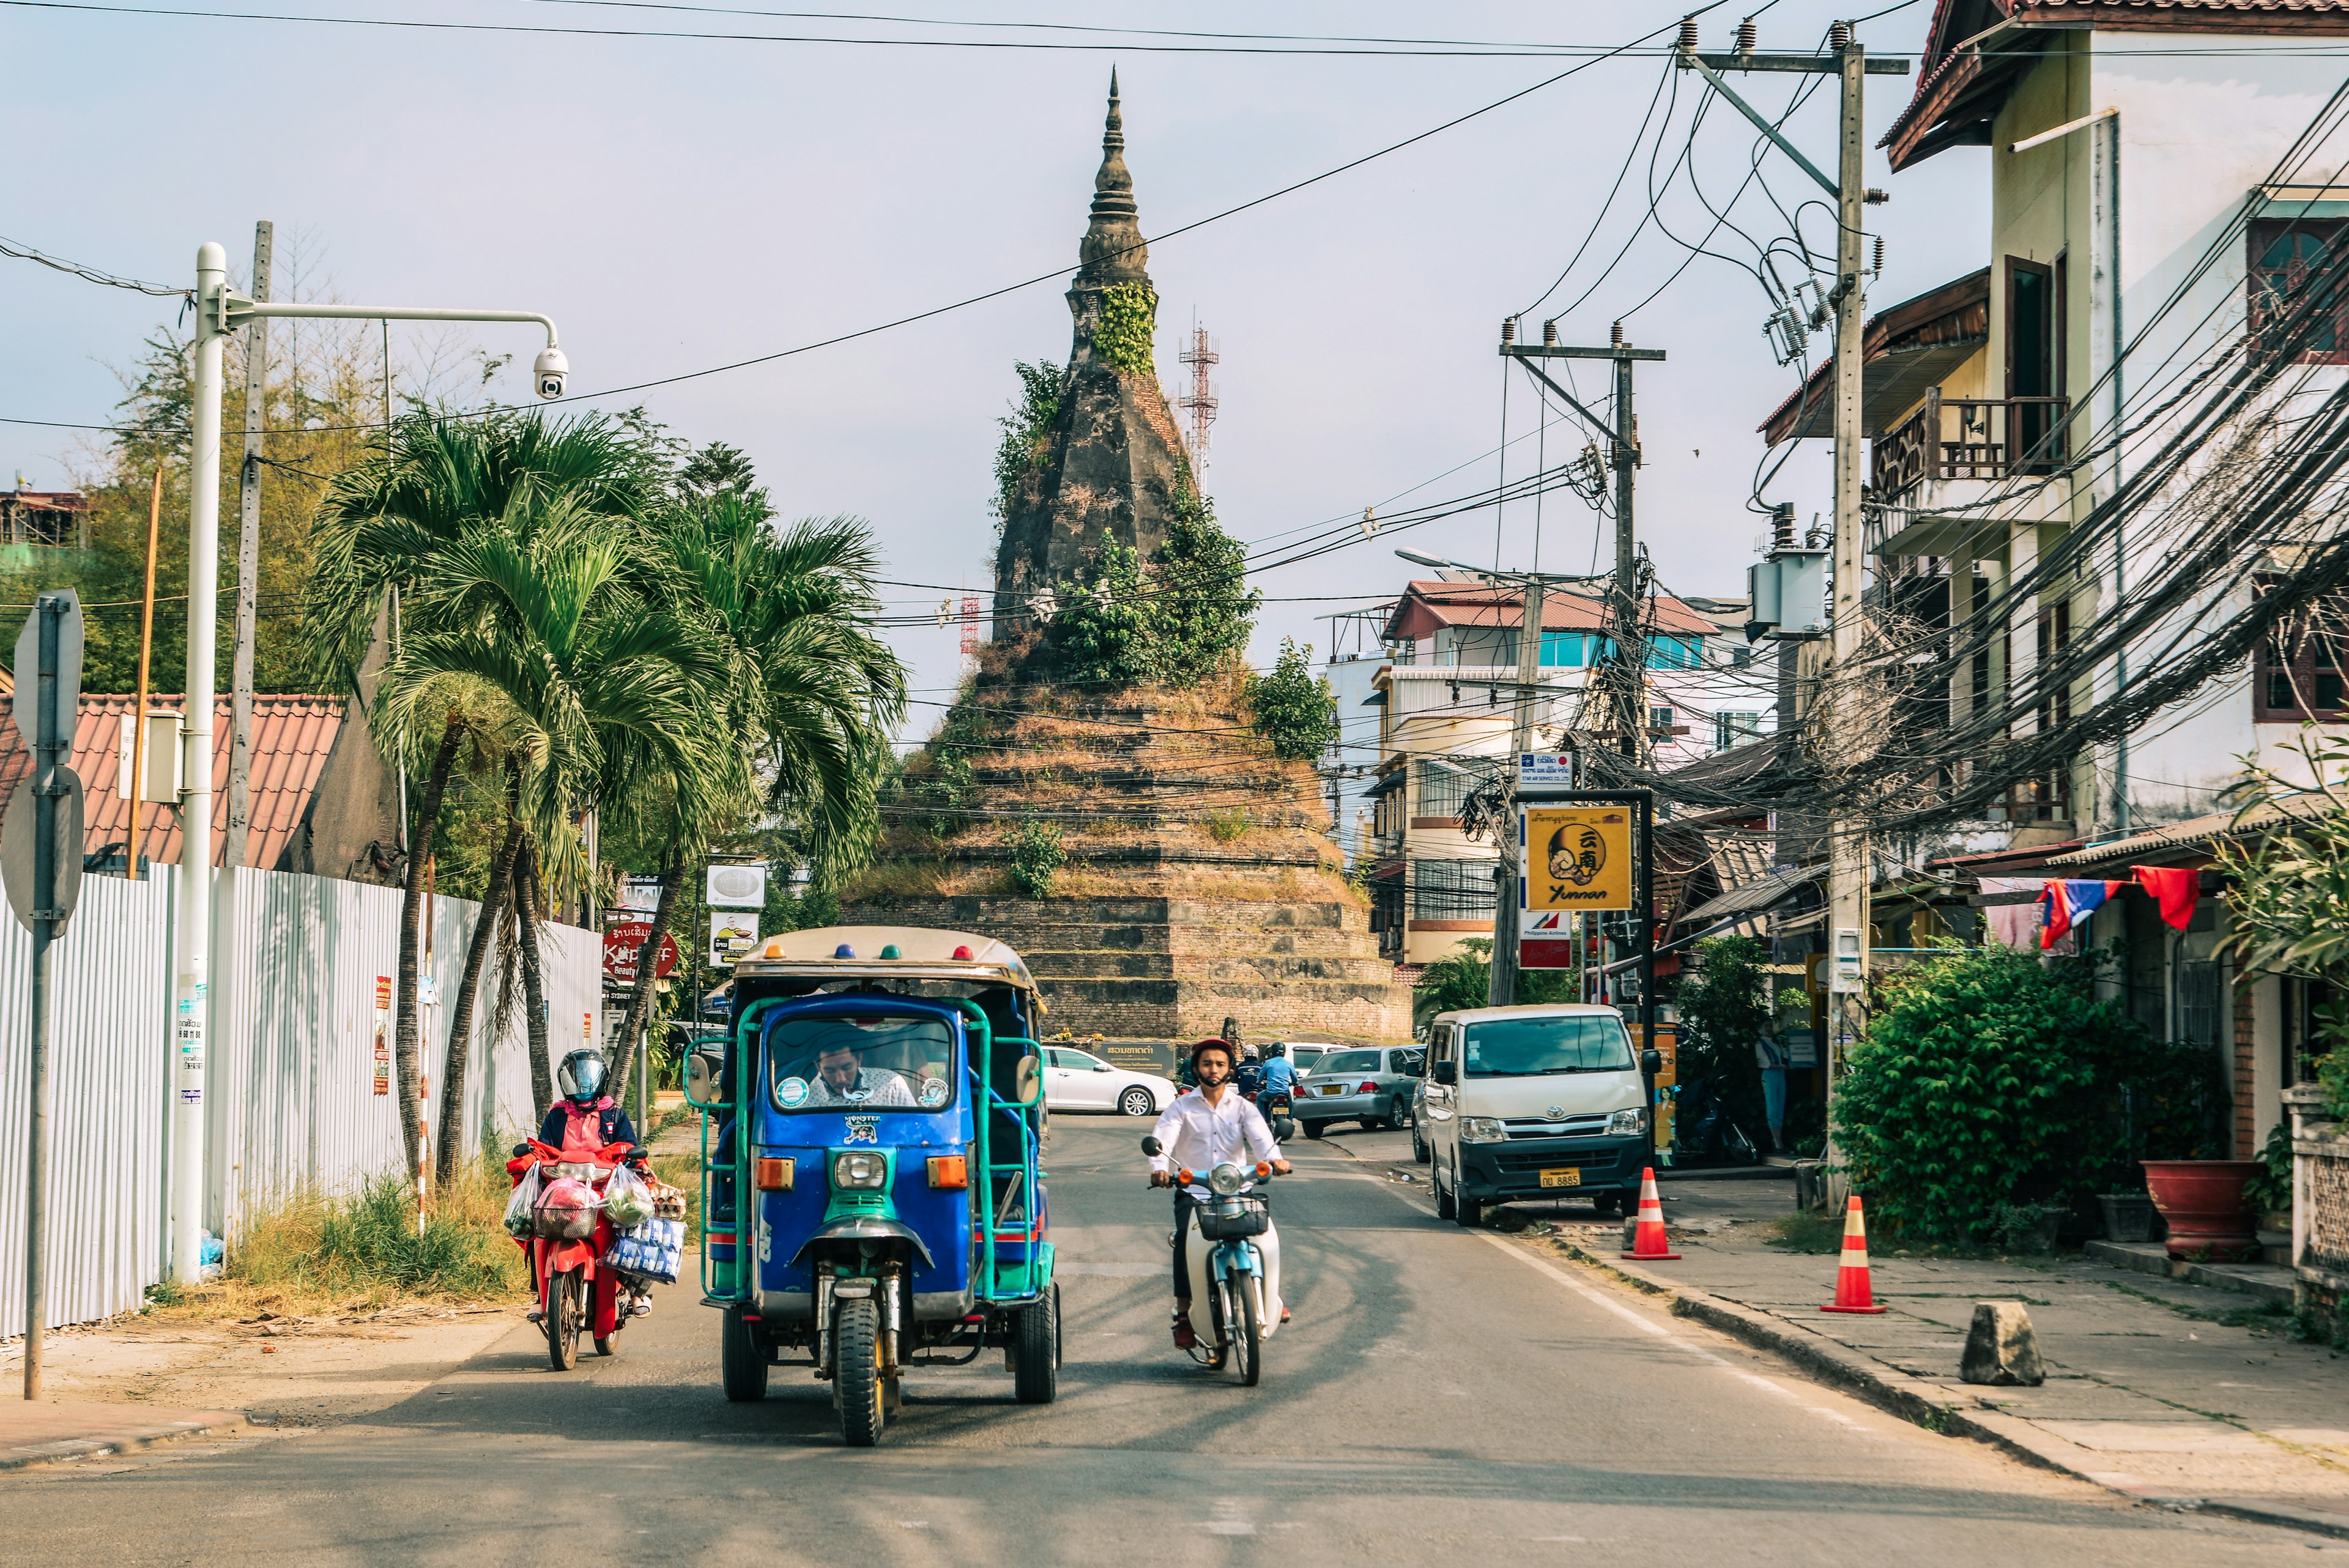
pixel 2062 905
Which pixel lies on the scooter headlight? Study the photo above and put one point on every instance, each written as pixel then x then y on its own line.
pixel 1224 1179
pixel 865 1171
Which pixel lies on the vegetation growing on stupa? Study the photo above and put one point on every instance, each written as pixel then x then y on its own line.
pixel 1023 449
pixel 1172 619
pixel 1127 336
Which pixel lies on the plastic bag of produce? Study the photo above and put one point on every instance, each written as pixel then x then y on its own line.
pixel 566 1209
pixel 519 1220
pixel 626 1199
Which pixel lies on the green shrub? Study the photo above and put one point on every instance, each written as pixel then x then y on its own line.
pixel 1721 1011
pixel 1173 619
pixel 1129 327
pixel 1036 856
pixel 1989 1079
pixel 1021 451
pixel 1464 978
pixel 1228 826
pixel 1294 708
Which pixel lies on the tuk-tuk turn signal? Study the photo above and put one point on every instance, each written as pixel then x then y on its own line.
pixel 771 1175
pixel 950 1170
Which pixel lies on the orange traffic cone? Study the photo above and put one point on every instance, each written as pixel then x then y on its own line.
pixel 1852 1292
pixel 1648 1242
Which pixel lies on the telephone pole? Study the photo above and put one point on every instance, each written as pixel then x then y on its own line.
pixel 248 559
pixel 1630 657
pixel 1848 859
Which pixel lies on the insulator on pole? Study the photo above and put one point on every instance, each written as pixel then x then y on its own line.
pixel 1838 38
pixel 1549 334
pixel 1688 35
pixel 1508 329
pixel 1746 36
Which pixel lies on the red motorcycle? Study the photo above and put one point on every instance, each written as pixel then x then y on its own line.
pixel 577 1290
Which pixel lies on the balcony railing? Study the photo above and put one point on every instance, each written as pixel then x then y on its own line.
pixel 1972 438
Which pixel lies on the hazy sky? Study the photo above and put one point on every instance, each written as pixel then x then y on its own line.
pixel 678 203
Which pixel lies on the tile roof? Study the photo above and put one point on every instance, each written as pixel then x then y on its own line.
pixel 1429 604
pixel 292 736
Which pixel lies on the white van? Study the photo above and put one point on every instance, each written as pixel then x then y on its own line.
pixel 1534 1102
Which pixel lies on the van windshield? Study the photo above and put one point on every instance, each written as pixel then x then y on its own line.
pixel 1523 1047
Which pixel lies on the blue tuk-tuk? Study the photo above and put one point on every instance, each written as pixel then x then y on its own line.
pixel 872 1192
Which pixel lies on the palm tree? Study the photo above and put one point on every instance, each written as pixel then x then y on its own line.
pixel 378 538
pixel 811 694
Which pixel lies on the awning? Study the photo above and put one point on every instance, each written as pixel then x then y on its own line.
pixel 1756 897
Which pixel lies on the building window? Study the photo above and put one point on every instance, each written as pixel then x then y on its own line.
pixel 1661 718
pixel 1563 649
pixel 1675 652
pixel 1445 784
pixel 1452 889
pixel 1576 649
pixel 2304 666
pixel 2196 1011
pixel 2296 298
pixel 1735 729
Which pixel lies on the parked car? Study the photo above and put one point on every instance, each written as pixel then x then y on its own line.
pixel 1419 1115
pixel 1371 1085
pixel 1079 1081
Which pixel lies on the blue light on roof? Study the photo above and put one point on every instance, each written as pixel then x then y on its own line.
pixel 843 951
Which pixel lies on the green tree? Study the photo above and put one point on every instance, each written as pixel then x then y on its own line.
pixel 1296 710
pixel 1721 1011
pixel 2288 888
pixel 1176 619
pixel 1462 979
pixel 1021 452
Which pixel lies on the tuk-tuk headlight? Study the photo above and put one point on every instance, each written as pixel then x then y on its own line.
pixel 1224 1179
pixel 1482 1129
pixel 866 1171
pixel 1627 1124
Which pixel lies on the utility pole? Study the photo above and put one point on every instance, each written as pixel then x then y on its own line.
pixel 1623 610
pixel 1848 858
pixel 248 558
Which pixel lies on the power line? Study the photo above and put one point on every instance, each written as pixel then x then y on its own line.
pixel 23 252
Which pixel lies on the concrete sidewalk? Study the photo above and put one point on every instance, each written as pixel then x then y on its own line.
pixel 36 1433
pixel 2158 1389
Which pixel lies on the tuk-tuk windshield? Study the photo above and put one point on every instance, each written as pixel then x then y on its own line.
pixel 875 1063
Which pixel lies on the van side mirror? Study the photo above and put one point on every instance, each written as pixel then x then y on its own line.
pixel 701 1075
pixel 1651 1063
pixel 1444 1071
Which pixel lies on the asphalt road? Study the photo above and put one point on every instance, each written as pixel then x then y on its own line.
pixel 1444 1397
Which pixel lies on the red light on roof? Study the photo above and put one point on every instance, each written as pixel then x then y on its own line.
pixel 963 954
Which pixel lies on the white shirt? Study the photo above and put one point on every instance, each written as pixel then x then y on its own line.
pixel 1200 1137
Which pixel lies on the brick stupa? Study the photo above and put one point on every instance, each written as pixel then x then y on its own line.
pixel 1200 882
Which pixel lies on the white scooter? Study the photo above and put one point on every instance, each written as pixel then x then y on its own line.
pixel 1234 1254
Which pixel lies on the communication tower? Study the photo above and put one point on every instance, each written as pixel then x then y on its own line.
pixel 1199 402
pixel 970 616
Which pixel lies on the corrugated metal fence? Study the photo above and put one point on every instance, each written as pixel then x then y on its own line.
pixel 298 963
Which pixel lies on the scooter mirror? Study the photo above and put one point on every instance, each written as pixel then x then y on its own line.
pixel 520 1149
pixel 1651 1063
pixel 1282 1127
pixel 1152 1147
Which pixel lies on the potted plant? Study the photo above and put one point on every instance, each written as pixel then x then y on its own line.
pixel 2270 1192
pixel 2204 1205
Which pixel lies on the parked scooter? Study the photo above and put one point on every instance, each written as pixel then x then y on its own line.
pixel 578 1292
pixel 1234 1265
pixel 1702 1133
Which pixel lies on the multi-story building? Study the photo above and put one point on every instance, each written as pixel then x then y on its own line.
pixel 1445 697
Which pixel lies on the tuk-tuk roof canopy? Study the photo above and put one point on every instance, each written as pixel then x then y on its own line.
pixel 921 953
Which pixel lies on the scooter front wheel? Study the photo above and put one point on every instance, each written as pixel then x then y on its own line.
pixel 1247 1333
pixel 564 1309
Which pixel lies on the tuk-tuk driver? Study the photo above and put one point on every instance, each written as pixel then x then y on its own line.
pixel 841 1080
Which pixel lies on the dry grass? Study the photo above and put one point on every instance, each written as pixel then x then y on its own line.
pixel 315 1254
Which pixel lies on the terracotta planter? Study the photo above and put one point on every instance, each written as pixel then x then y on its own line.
pixel 2202 1201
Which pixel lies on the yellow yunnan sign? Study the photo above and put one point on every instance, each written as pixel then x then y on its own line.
pixel 1577 857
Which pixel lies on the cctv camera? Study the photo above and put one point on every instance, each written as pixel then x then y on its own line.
pixel 552 370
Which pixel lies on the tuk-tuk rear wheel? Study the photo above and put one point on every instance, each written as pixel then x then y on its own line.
pixel 740 1362
pixel 858 1384
pixel 1035 1374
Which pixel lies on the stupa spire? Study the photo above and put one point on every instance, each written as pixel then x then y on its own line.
pixel 1112 251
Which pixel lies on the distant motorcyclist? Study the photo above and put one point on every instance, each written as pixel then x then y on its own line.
pixel 1279 1072
pixel 1197 1132
pixel 586 1120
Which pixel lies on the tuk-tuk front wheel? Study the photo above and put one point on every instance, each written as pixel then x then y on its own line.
pixel 743 1368
pixel 1036 1350
pixel 857 1386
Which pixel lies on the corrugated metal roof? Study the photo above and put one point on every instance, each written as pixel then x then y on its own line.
pixel 2195 835
pixel 292 737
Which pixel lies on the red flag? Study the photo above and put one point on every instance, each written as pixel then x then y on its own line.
pixel 2175 887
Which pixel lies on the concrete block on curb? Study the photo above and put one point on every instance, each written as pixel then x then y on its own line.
pixel 2001 1349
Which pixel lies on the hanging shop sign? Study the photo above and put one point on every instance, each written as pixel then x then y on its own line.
pixel 1575 858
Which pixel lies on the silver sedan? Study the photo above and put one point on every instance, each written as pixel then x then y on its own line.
pixel 1372 1086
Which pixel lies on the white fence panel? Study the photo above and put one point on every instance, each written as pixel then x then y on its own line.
pixel 290 1096
pixel 107 1045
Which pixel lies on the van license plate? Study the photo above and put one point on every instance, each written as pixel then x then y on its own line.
pixel 1570 1176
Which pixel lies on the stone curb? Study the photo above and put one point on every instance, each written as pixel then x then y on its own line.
pixel 66 1451
pixel 1935 1407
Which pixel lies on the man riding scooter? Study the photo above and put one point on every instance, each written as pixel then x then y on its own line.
pixel 1199 1132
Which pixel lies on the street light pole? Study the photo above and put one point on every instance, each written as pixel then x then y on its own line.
pixel 220 312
